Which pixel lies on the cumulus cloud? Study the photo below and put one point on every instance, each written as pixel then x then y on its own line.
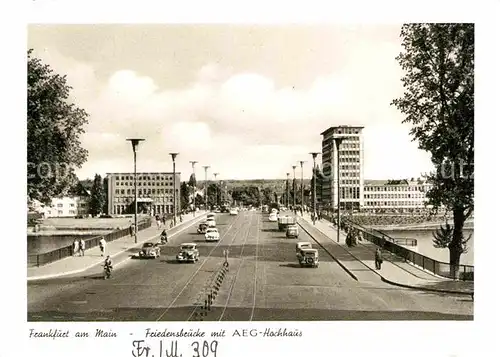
pixel 243 123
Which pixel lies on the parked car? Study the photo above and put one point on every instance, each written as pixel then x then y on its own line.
pixel 292 231
pixel 202 228
pixel 212 235
pixel 188 253
pixel 308 257
pixel 150 250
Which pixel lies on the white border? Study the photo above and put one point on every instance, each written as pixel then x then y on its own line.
pixel 336 338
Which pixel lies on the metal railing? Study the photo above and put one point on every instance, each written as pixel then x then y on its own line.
pixel 68 251
pixel 465 272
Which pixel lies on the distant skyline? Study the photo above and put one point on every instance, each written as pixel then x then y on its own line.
pixel 250 101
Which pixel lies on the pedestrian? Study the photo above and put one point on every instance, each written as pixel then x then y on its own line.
pixel 378 259
pixel 131 230
pixel 158 221
pixel 102 245
pixel 82 247
pixel 164 221
pixel 76 247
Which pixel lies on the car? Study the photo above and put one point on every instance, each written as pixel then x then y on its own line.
pixel 302 245
pixel 188 252
pixel 150 250
pixel 211 222
pixel 233 212
pixel 273 217
pixel 211 215
pixel 202 228
pixel 212 235
pixel 308 257
pixel 292 231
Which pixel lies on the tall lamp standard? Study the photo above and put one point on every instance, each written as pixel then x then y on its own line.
pixel 206 187
pixel 314 155
pixel 338 141
pixel 174 154
pixel 287 191
pixel 216 189
pixel 194 188
pixel 302 183
pixel 135 143
pixel 294 187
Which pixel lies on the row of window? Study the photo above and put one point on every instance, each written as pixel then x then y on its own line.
pixel 349 192
pixel 394 195
pixel 145 178
pixel 349 182
pixel 151 183
pixel 349 174
pixel 420 188
pixel 80 204
pixel 149 191
pixel 395 203
pixel 349 152
pixel 159 200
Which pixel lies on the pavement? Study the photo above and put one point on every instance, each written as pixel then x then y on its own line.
pixel 394 269
pixel 263 282
pixel 115 249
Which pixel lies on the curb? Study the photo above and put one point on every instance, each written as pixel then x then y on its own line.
pixel 50 276
pixel 330 254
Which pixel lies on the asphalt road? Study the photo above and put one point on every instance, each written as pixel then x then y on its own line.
pixel 263 282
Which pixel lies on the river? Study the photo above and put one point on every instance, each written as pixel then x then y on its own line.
pixel 425 247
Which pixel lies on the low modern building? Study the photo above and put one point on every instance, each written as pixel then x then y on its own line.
pixel 70 206
pixel 155 192
pixel 395 195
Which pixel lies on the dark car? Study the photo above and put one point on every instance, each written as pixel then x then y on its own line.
pixel 150 250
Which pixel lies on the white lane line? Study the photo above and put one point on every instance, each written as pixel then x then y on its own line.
pixel 233 282
pixel 256 264
pixel 196 272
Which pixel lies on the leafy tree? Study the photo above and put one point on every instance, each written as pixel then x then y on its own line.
pixel 184 196
pixel 96 202
pixel 438 60
pixel 200 200
pixel 443 236
pixel 54 127
pixel 213 191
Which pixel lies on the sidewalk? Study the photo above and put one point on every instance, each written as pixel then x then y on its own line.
pixel 394 269
pixel 76 264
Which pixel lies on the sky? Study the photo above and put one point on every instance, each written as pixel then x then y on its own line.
pixel 248 101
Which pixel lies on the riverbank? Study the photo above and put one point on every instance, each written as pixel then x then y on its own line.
pixel 420 226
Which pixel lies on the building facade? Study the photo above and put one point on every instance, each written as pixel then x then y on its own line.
pixel 395 195
pixel 70 206
pixel 155 192
pixel 351 158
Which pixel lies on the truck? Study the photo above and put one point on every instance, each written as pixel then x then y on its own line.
pixel 284 221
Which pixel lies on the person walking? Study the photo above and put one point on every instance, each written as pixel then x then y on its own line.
pixel 76 247
pixel 102 245
pixel 131 230
pixel 82 247
pixel 158 221
pixel 164 221
pixel 378 259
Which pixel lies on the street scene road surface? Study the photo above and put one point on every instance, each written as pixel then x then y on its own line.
pixel 262 282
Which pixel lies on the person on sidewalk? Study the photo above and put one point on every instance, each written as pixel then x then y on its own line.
pixel 76 247
pixel 378 259
pixel 158 221
pixel 102 245
pixel 131 230
pixel 164 221
pixel 82 247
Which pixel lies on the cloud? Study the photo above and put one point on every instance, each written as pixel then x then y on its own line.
pixel 243 123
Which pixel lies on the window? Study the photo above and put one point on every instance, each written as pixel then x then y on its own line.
pixel 71 212
pixel 72 205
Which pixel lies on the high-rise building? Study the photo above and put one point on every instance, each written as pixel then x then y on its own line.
pixel 155 192
pixel 351 152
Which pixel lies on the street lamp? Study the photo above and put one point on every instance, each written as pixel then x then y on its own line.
pixel 174 154
pixel 287 191
pixel 314 155
pixel 216 189
pixel 135 143
pixel 302 184
pixel 338 141
pixel 194 188
pixel 293 188
pixel 206 187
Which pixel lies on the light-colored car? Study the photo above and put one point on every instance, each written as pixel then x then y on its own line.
pixel 233 212
pixel 292 231
pixel 212 235
pixel 302 245
pixel 211 215
pixel 308 257
pixel 273 217
pixel 210 222
pixel 150 250
pixel 188 253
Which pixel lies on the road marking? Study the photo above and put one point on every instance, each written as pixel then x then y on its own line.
pixel 196 272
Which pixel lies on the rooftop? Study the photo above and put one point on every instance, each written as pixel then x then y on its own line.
pixel 412 181
pixel 341 126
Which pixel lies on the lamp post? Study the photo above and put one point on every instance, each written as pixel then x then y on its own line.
pixel 302 183
pixel 174 154
pixel 294 187
pixel 287 191
pixel 206 187
pixel 216 189
pixel 314 155
pixel 135 143
pixel 338 141
pixel 194 187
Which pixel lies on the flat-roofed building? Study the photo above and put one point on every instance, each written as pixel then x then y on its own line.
pixel 155 192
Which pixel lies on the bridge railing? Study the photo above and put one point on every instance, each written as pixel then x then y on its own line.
pixel 67 251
